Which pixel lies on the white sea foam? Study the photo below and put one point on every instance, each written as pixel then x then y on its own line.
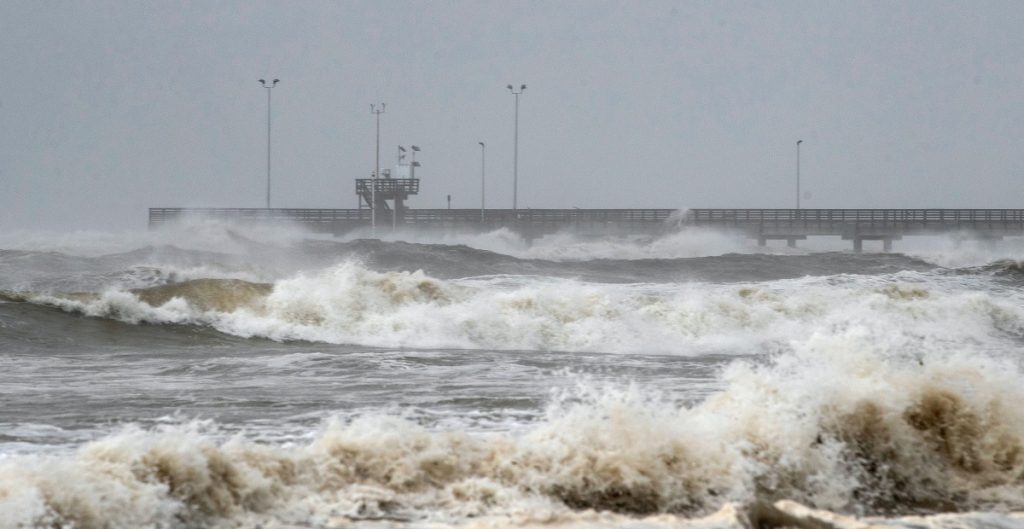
pixel 837 424
pixel 245 238
pixel 953 250
pixel 686 242
pixel 351 304
pixel 958 251
pixel 896 393
pixel 193 233
pixel 569 246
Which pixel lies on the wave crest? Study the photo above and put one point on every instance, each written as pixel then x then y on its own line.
pixel 351 304
pixel 888 440
pixel 222 295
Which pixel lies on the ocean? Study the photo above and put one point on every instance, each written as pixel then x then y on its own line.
pixel 211 375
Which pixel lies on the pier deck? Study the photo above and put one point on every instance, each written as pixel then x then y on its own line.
pixel 531 223
pixel 857 225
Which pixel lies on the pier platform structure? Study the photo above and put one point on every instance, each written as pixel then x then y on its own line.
pixel 859 225
pixel 388 198
pixel 528 223
pixel 790 225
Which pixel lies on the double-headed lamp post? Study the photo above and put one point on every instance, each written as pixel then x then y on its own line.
pixel 515 151
pixel 798 142
pixel 394 211
pixel 413 164
pixel 377 110
pixel 483 157
pixel 268 87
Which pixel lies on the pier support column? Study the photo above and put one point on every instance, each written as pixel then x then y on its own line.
pixel 858 245
pixel 791 243
pixel 887 245
pixel 761 241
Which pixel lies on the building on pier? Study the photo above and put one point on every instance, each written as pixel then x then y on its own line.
pixel 389 197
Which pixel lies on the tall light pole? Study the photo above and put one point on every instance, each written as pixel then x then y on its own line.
pixel 394 211
pixel 798 142
pixel 413 164
pixel 268 87
pixel 376 110
pixel 483 157
pixel 515 155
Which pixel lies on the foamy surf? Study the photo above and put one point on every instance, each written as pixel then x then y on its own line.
pixel 675 242
pixel 348 303
pixel 825 435
pixel 745 390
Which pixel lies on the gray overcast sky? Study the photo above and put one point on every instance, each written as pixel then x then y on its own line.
pixel 107 108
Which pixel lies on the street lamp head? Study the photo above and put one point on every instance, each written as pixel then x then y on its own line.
pixel 481 143
pixel 417 164
pixel 521 88
pixel 798 142
pixel 510 87
pixel 415 148
pixel 278 81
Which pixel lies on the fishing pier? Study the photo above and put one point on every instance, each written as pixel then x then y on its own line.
pixel 790 225
pixel 859 225
pixel 382 208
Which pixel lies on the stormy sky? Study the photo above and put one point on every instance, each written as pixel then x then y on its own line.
pixel 107 108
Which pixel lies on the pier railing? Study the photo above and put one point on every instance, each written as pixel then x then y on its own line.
pixel 756 222
pixel 159 216
pixel 409 186
pixel 896 219
pixel 858 225
pixel 568 216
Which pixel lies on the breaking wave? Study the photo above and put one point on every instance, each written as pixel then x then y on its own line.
pixel 1006 267
pixel 193 233
pixel 348 303
pixel 568 246
pixel 833 425
pixel 683 242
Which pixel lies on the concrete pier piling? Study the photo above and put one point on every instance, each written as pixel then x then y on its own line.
pixel 858 241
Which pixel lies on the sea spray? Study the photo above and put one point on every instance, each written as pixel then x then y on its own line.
pixel 842 429
pixel 744 389
pixel 276 240
pixel 348 303
pixel 191 232
pixel 566 246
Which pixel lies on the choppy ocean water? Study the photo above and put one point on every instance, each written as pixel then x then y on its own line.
pixel 224 376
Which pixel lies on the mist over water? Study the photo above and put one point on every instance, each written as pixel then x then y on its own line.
pixel 213 375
